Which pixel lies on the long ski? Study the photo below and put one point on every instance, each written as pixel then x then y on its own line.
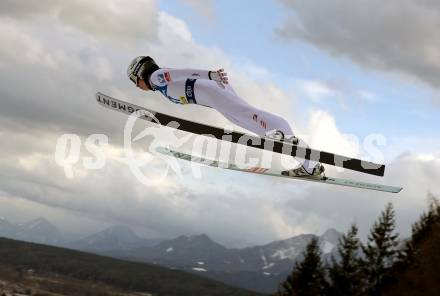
pixel 243 139
pixel 277 173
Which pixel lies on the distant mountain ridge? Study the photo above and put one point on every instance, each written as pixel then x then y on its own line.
pixel 7 229
pixel 119 237
pixel 38 230
pixel 259 268
pixel 190 250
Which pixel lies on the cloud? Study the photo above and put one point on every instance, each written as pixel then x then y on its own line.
pixel 115 19
pixel 320 92
pixel 393 36
pixel 34 53
pixel 316 90
pixel 324 134
pixel 40 88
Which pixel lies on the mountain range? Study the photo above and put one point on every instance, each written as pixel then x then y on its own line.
pixel 259 268
pixel 119 237
pixel 39 231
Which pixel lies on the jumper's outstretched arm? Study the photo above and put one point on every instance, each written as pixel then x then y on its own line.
pixel 164 76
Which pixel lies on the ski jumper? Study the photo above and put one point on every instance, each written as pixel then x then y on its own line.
pixel 188 86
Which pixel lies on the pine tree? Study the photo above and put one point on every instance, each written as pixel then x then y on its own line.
pixel 420 231
pixel 308 276
pixel 380 251
pixel 426 221
pixel 418 266
pixel 345 272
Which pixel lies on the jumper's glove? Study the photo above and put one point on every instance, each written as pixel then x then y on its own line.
pixel 220 76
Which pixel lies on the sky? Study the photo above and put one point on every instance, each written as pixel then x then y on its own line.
pixel 342 73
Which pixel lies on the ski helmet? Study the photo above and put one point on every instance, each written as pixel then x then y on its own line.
pixel 141 68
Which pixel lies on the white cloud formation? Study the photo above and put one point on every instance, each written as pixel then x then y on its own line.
pixel 325 135
pixel 395 36
pixel 320 92
pixel 116 19
pixel 17 39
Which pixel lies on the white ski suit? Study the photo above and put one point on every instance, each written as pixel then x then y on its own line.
pixel 189 86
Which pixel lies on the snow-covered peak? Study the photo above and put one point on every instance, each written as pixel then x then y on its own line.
pixel 193 240
pixel 3 221
pixel 113 237
pixel 122 232
pixel 327 247
pixel 329 240
pixel 331 235
pixel 201 238
pixel 37 223
pixel 289 248
pixel 40 231
pixel 7 229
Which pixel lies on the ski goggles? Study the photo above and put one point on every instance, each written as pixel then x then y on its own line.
pixel 134 76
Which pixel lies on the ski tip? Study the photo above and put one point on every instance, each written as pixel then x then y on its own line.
pixel 98 95
pixel 397 190
pixel 391 189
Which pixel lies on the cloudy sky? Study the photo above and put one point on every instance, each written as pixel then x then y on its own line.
pixel 341 72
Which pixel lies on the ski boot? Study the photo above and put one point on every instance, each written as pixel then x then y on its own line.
pixel 301 171
pixel 278 135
